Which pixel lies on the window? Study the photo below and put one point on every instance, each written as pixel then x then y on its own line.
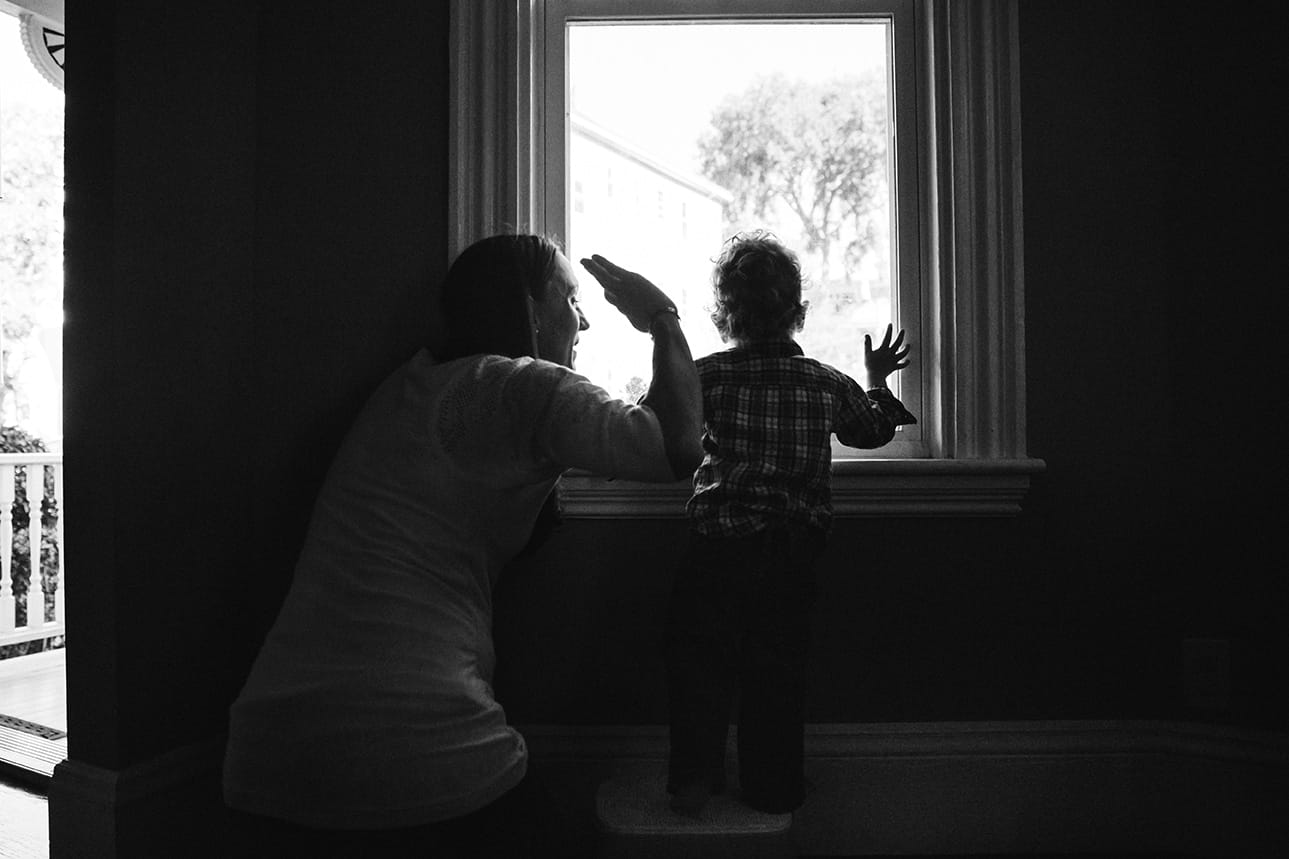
pixel 934 246
pixel 760 123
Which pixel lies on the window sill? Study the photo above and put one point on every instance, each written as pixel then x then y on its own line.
pixel 860 488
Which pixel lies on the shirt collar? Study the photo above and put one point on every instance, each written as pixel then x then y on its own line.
pixel 770 348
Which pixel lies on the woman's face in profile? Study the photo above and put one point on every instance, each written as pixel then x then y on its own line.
pixel 559 319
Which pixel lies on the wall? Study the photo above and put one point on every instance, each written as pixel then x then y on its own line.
pixel 255 207
pixel 1143 530
pixel 1150 189
pixel 159 279
pixel 256 201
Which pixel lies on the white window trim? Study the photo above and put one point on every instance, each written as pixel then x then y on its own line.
pixel 973 308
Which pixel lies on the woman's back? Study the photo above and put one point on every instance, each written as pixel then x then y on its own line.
pixel 371 703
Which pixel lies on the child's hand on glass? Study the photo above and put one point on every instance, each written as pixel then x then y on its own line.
pixel 885 359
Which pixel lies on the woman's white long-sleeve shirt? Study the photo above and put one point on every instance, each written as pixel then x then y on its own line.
pixel 370 704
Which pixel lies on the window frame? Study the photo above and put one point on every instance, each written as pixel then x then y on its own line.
pixel 552 169
pixel 972 459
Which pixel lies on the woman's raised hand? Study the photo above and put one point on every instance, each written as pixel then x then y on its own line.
pixel 632 294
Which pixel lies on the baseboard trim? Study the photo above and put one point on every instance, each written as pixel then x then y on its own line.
pixel 1008 787
pixel 900 788
pixel 103 813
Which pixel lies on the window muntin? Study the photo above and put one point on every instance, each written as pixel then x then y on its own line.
pixel 643 128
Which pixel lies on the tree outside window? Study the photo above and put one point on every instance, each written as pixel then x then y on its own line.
pixel 31 242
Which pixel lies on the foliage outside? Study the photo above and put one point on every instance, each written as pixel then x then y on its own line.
pixel 813 152
pixel 31 236
pixel 810 161
pixel 15 440
pixel 31 288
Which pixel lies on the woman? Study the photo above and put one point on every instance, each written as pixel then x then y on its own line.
pixel 368 720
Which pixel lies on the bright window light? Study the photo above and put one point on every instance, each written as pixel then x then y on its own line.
pixel 682 134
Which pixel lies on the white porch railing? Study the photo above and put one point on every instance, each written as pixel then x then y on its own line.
pixel 42 568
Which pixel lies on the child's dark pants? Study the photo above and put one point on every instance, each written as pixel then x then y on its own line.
pixel 740 620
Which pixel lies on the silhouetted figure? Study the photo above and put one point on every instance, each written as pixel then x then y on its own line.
pixel 368 724
pixel 759 516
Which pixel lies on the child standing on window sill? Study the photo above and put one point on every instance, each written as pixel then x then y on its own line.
pixel 759 516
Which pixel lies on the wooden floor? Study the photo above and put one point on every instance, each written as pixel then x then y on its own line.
pixel 33 716
pixel 24 831
pixel 24 823
pixel 34 688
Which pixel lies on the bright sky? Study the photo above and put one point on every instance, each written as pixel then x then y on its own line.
pixel 37 359
pixel 656 85
pixel 19 80
pixel 624 76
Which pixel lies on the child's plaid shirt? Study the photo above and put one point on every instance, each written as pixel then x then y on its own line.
pixel 769 414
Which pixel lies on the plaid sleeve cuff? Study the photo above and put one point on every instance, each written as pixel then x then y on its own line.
pixel 887 402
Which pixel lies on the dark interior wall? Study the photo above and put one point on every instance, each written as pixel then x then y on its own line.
pixel 1050 615
pixel 159 283
pixel 256 199
pixel 350 243
pixel 1148 196
pixel 1227 259
pixel 255 207
pixel 1152 190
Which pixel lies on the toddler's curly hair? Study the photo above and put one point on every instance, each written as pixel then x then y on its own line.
pixel 757 288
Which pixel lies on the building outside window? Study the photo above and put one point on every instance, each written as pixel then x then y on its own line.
pixel 614 356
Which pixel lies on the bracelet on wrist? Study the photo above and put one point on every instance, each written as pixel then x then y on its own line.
pixel 670 308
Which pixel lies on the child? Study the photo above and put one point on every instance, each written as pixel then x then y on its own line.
pixel 760 511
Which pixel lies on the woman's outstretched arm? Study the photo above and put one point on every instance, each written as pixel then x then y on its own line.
pixel 675 395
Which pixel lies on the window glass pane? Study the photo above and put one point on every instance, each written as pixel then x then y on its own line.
pixel 682 134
